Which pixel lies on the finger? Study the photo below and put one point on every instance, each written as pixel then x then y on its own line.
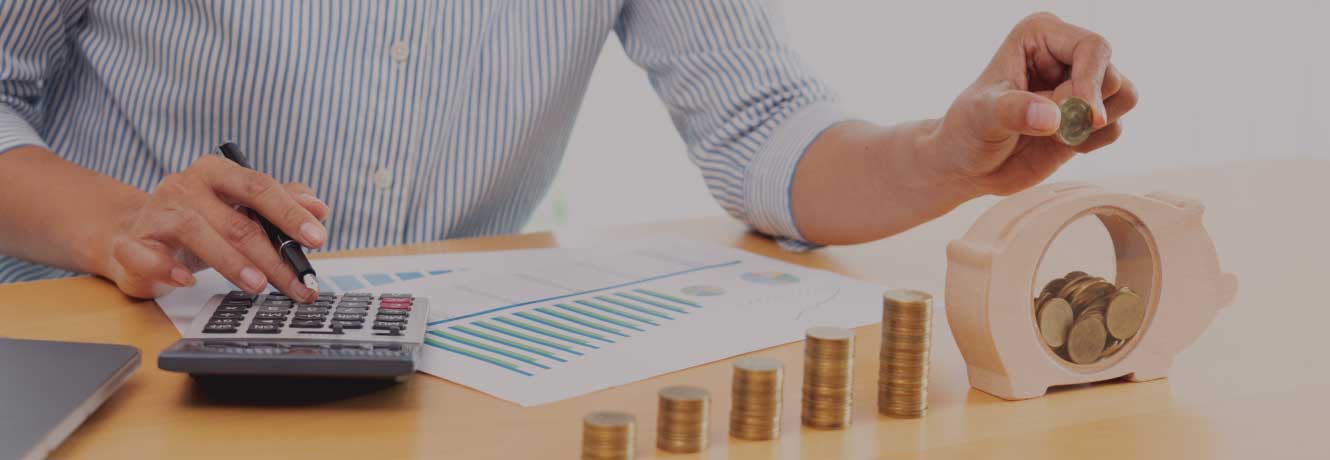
pixel 1088 54
pixel 248 237
pixel 1122 102
pixel 264 195
pixel 1104 136
pixel 1025 113
pixel 1113 81
pixel 149 270
pixel 188 228
pixel 307 198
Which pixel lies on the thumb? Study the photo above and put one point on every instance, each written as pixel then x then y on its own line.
pixel 1026 113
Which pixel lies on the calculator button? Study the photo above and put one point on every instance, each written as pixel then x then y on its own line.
pixel 356 310
pixel 349 317
pixel 239 295
pixel 275 303
pixel 357 296
pixel 311 316
pixel 307 324
pixel 264 329
pixel 347 324
pixel 274 321
pixel 270 315
pixel 395 295
pixel 232 309
pixel 319 310
pixel 242 303
pixel 387 325
pixel 228 315
pixel 219 328
pixel 223 322
pixel 394 307
pixel 318 303
pixel 353 303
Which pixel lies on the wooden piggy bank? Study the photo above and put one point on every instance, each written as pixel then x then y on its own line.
pixel 1163 254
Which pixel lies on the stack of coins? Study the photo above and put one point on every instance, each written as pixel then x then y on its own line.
pixel 1085 318
pixel 756 399
pixel 681 422
pixel 608 436
pixel 828 377
pixel 902 386
pixel 1077 121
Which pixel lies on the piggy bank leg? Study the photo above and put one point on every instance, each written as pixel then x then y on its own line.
pixel 1004 386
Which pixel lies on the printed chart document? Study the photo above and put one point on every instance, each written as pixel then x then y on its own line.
pixel 610 316
pixel 362 274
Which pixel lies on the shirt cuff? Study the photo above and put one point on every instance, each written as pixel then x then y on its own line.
pixel 16 132
pixel 771 173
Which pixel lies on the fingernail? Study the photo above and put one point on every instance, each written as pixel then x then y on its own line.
pixel 313 233
pixel 1043 116
pixel 182 277
pixel 312 198
pixel 252 279
pixel 298 288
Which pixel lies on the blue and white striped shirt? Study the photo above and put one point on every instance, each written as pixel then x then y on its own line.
pixel 414 120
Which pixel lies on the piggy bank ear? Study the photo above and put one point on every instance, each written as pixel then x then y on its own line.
pixel 1227 287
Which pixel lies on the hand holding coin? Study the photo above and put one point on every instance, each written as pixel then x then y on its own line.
pixel 1049 92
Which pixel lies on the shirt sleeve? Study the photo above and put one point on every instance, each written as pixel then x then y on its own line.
pixel 744 102
pixel 34 45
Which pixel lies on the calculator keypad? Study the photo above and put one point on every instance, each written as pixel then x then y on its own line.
pixel 362 315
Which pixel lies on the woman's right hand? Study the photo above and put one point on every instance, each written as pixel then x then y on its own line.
pixel 190 220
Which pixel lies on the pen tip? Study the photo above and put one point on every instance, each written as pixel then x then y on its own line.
pixel 311 282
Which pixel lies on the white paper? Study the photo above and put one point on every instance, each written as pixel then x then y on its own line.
pixel 485 326
pixel 366 274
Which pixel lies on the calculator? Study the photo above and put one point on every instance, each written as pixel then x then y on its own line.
pixel 357 335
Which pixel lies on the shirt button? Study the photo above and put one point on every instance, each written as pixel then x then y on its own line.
pixel 399 51
pixel 383 178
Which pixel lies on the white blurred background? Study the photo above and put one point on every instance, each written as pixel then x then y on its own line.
pixel 1220 82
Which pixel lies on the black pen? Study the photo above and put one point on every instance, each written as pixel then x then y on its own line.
pixel 288 248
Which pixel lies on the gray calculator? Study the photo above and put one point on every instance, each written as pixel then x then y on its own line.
pixel 358 335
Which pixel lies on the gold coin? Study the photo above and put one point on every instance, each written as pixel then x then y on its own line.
pixel 1125 313
pixel 1077 122
pixel 1097 307
pixel 1053 287
pixel 608 435
pixel 1054 319
pixel 1091 293
pixel 759 366
pixel 756 399
pixel 904 354
pixel 907 297
pixel 1086 339
pixel 681 422
pixel 828 377
pixel 1069 291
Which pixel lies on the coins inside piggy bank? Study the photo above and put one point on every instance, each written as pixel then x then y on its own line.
pixel 1083 318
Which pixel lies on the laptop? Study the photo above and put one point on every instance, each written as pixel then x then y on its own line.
pixel 48 388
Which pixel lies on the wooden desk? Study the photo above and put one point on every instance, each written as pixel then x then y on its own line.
pixel 1256 384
